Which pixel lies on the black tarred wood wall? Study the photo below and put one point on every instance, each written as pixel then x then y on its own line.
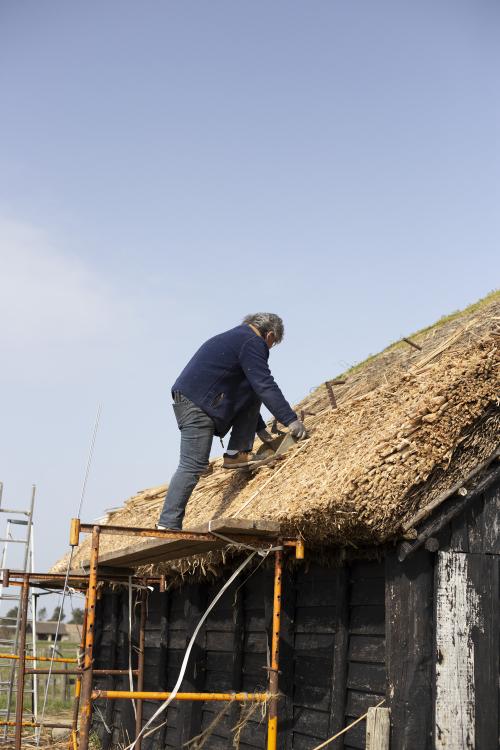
pixel 332 657
pixel 350 637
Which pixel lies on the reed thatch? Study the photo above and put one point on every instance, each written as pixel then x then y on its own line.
pixel 409 423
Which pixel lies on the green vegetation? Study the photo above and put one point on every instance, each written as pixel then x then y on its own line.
pixel 76 617
pixel 474 307
pixel 493 296
pixel 56 614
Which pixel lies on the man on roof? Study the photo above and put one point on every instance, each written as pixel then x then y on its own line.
pixel 222 388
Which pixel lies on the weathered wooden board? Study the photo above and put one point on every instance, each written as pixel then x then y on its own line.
pixel 409 644
pixel 378 728
pixel 157 550
pixel 467 624
pixel 484 578
pixel 364 676
pixel 189 712
pixel 491 520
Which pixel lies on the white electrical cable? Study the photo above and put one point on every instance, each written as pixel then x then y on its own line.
pixel 174 692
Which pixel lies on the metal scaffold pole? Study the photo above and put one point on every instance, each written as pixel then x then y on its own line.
pixel 272 724
pixel 21 664
pixel 12 643
pixel 86 689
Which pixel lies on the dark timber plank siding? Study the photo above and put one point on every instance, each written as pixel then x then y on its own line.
pixel 409 623
pixel 477 530
pixel 314 640
pixel 332 656
pixel 351 636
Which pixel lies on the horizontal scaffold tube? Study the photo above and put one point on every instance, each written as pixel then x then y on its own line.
pixel 40 658
pixel 148 696
pixel 99 672
pixel 46 724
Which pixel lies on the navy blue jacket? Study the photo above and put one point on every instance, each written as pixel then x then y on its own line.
pixel 227 373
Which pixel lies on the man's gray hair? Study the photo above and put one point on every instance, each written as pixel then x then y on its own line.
pixel 267 323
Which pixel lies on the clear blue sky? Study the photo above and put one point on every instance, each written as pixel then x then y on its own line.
pixel 167 167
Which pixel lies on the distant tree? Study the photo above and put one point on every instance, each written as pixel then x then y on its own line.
pixel 42 614
pixel 12 612
pixel 55 614
pixel 77 617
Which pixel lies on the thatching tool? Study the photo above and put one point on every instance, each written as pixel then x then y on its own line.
pixel 268 452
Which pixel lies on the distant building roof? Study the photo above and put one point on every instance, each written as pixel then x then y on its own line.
pixel 69 630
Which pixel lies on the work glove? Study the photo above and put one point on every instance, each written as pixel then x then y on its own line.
pixel 265 436
pixel 297 429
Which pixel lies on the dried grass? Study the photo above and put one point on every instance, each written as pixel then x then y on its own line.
pixel 408 425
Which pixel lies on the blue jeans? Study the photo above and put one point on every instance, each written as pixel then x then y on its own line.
pixel 197 432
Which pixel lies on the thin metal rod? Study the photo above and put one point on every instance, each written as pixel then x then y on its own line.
pixel 89 462
pixel 20 670
pixel 99 672
pixel 151 696
pixel 86 688
pixel 140 667
pixel 272 724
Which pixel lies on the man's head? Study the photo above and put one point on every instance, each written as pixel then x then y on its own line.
pixel 269 325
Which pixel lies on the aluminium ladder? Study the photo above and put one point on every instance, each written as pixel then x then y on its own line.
pixel 10 643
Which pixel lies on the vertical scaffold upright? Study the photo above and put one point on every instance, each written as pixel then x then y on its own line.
pixel 13 625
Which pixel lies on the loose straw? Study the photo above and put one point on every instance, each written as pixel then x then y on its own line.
pixel 268 482
pixel 346 729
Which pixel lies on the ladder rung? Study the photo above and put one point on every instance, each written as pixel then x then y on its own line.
pixel 18 522
pixel 16 541
pixel 8 597
pixel 19 512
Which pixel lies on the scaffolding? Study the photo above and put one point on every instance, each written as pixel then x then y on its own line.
pixel 188 543
pixel 11 625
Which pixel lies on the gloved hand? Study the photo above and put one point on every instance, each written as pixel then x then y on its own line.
pixel 297 429
pixel 265 436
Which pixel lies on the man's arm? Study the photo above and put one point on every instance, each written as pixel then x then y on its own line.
pixel 253 360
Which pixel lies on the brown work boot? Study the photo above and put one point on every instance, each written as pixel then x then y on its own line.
pixel 243 460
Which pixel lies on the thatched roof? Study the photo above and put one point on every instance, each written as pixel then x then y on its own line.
pixel 410 422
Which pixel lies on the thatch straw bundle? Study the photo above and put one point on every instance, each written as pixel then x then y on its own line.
pixel 409 423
